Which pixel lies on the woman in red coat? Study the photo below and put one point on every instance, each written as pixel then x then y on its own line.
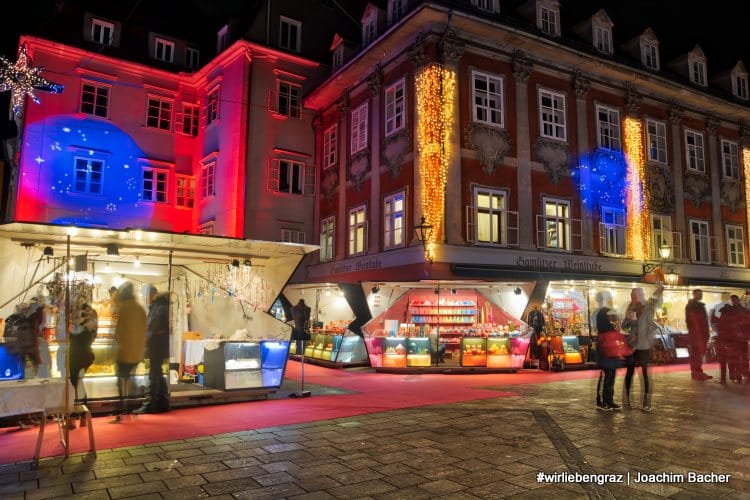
pixel 696 318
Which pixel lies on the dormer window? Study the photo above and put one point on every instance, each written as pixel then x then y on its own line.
pixel 548 18
pixel 492 6
pixel 396 9
pixel 739 82
pixel 370 27
pixel 649 50
pixel 163 50
pixel 222 39
pixel 102 32
pixel 338 56
pixel 697 67
pixel 192 58
pixel 290 34
pixel 603 39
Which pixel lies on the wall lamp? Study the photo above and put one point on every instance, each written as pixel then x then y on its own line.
pixel 665 251
pixel 423 232
pixel 48 252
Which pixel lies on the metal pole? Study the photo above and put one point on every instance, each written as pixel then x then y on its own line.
pixel 169 319
pixel 66 375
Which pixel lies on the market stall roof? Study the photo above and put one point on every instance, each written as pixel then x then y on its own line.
pixel 185 247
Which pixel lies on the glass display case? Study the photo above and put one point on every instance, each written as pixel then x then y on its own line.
pixel 11 366
pixel 233 365
pixel 473 351
pixel 498 353
pixel 418 352
pixel 394 351
pixel 273 355
pixel 375 350
pixel 519 346
pixel 571 350
pixel 351 349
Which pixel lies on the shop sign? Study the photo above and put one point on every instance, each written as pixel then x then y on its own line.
pixel 565 264
pixel 356 266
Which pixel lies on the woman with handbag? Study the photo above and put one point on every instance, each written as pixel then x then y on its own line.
pixel 611 350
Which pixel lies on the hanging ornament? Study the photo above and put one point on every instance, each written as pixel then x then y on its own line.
pixel 22 79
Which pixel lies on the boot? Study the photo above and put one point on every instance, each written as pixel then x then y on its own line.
pixel 646 402
pixel 609 398
pixel 626 401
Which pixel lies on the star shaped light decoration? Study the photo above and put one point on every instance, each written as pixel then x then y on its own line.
pixel 22 79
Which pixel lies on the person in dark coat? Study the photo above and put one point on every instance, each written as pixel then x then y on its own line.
pixel 301 330
pixel 157 345
pixel 81 351
pixel 604 324
pixel 696 318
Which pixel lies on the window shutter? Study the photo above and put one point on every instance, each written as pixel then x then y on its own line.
pixel 273 176
pixel 309 186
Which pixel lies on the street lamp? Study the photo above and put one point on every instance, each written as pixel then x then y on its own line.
pixel 670 278
pixel 423 232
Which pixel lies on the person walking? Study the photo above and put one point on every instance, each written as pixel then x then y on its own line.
pixel 130 338
pixel 639 319
pixel 81 352
pixel 696 319
pixel 606 323
pixel 301 330
pixel 157 345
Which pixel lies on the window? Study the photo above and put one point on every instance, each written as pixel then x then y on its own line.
pixel 487 95
pixel 102 32
pixel 369 28
pixel 661 234
pixel 289 99
pixel 740 86
pixel 557 224
pixel 338 56
pixel 212 106
pixel 192 58
pixel 208 180
pixel 656 141
pixel 95 100
pixel 154 185
pixel 396 9
pixel 159 113
pixel 185 195
pixel 697 72
pixel 357 230
pixel 491 216
pixel 700 241
pixel 292 235
pixel 694 151
pixel 359 129
pixel 552 110
pixel 330 146
pixel 163 50
pixel 735 245
pixel 395 114
pixel 393 220
pixel 222 39
pixel 88 176
pixel 189 119
pixel 603 39
pixel 730 159
pixel 207 229
pixel 650 56
pixel 548 21
pixel 608 126
pixel 326 239
pixel 290 34
pixel 612 232
pixel 487 5
pixel 291 177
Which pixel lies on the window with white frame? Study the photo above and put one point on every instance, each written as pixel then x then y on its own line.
pixel 185 191
pixel 656 141
pixel 102 32
pixel 208 179
pixel 608 127
pixel 292 235
pixel 661 234
pixel 491 216
pixel 89 176
pixel 222 39
pixel 613 231
pixel 95 99
pixel 395 102
pixel 338 56
pixel 212 105
pixel 359 129
pixel 700 240
pixel 552 115
pixel 557 224
pixel 487 95
pixel 327 232
pixel 192 58
pixel 548 20
pixel 289 102
pixel 163 50
pixel 650 56
pixel 330 147
pixel 393 221
pixel 370 28
pixel 292 177
pixel 159 113
pixel 603 39
pixel 290 34
pixel 155 185
pixel 694 151
pixel 357 230
pixel 697 72
pixel 396 9
pixel 487 5
pixel 735 245
pixel 730 159
pixel 739 86
pixel 190 116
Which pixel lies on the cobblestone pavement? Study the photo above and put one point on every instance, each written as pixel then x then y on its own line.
pixel 493 448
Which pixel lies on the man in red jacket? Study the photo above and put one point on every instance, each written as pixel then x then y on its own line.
pixel 696 318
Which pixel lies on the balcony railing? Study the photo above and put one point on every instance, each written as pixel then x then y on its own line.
pixel 497 228
pixel 613 239
pixel 558 233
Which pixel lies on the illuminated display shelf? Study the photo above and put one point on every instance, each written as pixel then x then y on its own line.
pixel 463 313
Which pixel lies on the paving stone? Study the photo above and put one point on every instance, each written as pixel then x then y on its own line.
pixel 229 474
pixel 184 482
pixel 188 470
pixel 136 489
pixel 49 491
pixel 159 475
pixel 119 471
pixel 313 484
pixel 59 478
pixel 18 487
pixel 243 484
pixel 185 493
pixel 110 482
pixel 361 489
pixel 272 492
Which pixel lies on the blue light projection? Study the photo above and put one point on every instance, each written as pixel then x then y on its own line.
pixel 600 178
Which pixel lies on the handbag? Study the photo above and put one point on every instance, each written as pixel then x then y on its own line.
pixel 614 345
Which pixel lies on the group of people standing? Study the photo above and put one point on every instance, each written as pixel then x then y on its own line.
pixel 731 322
